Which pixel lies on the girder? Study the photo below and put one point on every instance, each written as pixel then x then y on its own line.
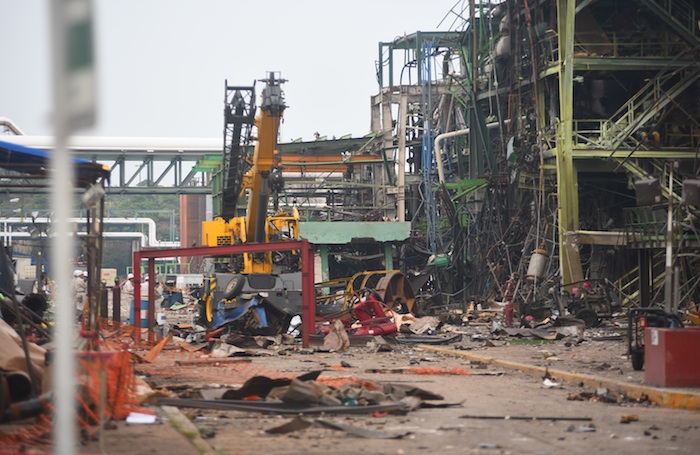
pixel 179 165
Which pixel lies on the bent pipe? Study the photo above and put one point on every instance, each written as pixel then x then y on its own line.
pixel 26 409
pixel 19 386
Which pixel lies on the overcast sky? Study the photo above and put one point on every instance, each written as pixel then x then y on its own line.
pixel 161 64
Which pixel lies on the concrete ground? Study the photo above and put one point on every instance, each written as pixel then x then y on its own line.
pixel 594 402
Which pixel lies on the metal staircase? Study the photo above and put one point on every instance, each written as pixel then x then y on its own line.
pixel 649 102
pixel 629 285
pixel 680 15
pixel 655 168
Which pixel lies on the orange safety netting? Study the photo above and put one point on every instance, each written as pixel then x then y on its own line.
pixel 105 385
pixel 107 381
pixel 37 435
pixel 437 371
pixel 107 378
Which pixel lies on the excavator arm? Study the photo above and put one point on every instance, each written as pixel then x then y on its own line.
pixel 256 225
pixel 267 123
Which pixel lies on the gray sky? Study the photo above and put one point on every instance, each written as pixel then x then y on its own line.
pixel 161 64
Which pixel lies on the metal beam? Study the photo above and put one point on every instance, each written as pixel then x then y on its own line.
pixel 567 185
pixel 597 238
pixel 182 159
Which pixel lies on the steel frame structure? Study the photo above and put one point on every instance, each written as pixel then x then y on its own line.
pixel 190 166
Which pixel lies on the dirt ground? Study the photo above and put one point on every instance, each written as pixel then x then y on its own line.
pixel 493 409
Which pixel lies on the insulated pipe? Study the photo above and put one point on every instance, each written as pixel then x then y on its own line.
pixel 464 132
pixel 151 241
pixel 143 238
pixel 126 144
pixel 26 409
pixel 10 125
pixel 438 150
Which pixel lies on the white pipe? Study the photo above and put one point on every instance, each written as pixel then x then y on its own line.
pixel 126 235
pixel 150 241
pixel 438 150
pixel 143 238
pixel 126 144
pixel 12 126
pixel 440 137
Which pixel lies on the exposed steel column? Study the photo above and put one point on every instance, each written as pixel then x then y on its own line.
pixel 308 296
pixel 567 177
pixel 151 315
pixel 137 297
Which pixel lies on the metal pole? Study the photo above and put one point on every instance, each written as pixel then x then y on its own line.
pixel 401 171
pixel 116 305
pixel 150 316
pixel 668 278
pixel 104 312
pixel 137 299
pixel 308 294
pixel 62 244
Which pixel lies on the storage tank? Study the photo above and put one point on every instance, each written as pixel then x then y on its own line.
pixel 538 261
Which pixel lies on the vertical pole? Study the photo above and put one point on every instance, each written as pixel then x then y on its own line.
pixel 380 59
pixel 104 311
pixel 150 316
pixel 567 187
pixel 401 177
pixel 62 244
pixel 472 19
pixel 325 269
pixel 388 256
pixel 308 294
pixel 137 298
pixel 644 278
pixel 387 133
pixel 668 277
pixel 116 305
pixel 419 57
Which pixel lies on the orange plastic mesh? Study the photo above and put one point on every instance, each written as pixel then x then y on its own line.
pixel 35 435
pixel 107 373
pixel 437 371
pixel 175 364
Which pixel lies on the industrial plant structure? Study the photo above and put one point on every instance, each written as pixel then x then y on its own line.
pixel 549 143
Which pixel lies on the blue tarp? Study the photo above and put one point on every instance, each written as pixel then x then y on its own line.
pixel 35 162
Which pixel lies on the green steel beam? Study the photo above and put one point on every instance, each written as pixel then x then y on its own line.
pixel 617 64
pixel 320 232
pixel 465 187
pixel 388 257
pixel 627 63
pixel 325 267
pixel 612 153
pixel 567 179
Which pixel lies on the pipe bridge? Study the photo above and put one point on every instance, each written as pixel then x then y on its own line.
pixel 145 165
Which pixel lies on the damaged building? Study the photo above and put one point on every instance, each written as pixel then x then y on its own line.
pixel 532 171
pixel 550 144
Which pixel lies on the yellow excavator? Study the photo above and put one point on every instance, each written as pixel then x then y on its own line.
pixel 253 175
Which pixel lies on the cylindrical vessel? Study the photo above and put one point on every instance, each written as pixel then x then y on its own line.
pixel 538 261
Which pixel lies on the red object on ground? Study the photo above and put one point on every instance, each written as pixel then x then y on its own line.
pixel 508 310
pixel 369 312
pixel 377 328
pixel 509 314
pixel 369 307
pixel 670 357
